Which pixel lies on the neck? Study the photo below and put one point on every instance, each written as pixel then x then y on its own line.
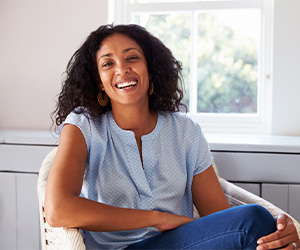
pixel 139 119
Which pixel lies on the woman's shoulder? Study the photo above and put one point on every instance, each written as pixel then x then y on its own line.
pixel 78 113
pixel 179 119
pixel 93 129
pixel 81 118
pixel 81 114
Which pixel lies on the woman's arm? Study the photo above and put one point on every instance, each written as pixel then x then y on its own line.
pixel 208 196
pixel 64 207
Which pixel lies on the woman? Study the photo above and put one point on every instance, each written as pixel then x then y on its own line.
pixel 129 167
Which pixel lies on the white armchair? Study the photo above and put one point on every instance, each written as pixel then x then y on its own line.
pixel 54 238
pixel 71 239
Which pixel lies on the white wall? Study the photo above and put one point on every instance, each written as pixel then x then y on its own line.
pixel 286 68
pixel 37 38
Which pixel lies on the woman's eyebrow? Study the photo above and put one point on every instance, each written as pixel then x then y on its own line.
pixel 126 50
pixel 106 55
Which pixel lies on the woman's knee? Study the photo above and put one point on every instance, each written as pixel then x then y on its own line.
pixel 259 218
pixel 257 213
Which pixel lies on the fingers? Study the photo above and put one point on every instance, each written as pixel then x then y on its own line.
pixel 283 237
pixel 279 234
pixel 170 221
pixel 283 243
pixel 293 246
pixel 289 247
pixel 281 221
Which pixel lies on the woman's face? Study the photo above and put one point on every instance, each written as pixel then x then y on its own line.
pixel 123 71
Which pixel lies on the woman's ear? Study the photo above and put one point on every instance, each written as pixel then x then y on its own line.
pixel 100 85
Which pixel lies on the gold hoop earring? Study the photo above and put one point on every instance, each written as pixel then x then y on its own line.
pixel 151 88
pixel 102 98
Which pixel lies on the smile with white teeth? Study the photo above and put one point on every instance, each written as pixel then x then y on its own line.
pixel 124 85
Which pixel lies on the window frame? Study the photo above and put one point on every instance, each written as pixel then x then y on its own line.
pixel 120 12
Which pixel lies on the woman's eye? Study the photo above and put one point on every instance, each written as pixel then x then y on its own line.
pixel 106 64
pixel 131 58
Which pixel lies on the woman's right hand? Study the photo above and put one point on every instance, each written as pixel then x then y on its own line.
pixel 168 221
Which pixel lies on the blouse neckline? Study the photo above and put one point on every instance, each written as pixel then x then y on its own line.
pixel 130 133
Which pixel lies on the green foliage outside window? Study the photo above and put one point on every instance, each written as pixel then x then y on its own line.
pixel 227 72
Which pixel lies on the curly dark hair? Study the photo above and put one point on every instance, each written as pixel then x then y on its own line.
pixel 80 87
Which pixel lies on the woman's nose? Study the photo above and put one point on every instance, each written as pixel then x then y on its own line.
pixel 123 69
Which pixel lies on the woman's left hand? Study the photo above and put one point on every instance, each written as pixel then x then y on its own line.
pixel 285 237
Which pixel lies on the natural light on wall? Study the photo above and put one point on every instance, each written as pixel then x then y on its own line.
pixel 225 49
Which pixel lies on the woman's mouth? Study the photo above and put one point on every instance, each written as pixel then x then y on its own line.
pixel 125 85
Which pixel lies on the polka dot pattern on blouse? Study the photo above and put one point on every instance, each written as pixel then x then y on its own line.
pixel 172 154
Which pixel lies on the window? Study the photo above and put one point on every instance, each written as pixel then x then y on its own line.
pixel 224 47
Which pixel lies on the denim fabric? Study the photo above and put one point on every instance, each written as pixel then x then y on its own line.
pixel 235 228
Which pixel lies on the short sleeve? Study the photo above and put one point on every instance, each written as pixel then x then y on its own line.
pixel 83 123
pixel 204 159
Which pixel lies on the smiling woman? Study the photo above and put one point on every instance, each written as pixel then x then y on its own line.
pixel 131 167
pixel 82 81
pixel 123 72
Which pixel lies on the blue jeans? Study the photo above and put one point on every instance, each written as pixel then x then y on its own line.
pixel 235 228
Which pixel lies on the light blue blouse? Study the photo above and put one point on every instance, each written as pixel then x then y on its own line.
pixel 173 153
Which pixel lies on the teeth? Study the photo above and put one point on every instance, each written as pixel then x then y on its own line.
pixel 126 84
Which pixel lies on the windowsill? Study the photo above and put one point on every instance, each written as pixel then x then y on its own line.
pixel 217 142
pixel 232 123
pixel 29 137
pixel 254 143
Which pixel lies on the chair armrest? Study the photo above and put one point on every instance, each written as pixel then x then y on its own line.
pixel 237 196
pixel 64 238
pixel 59 237
pixel 54 237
